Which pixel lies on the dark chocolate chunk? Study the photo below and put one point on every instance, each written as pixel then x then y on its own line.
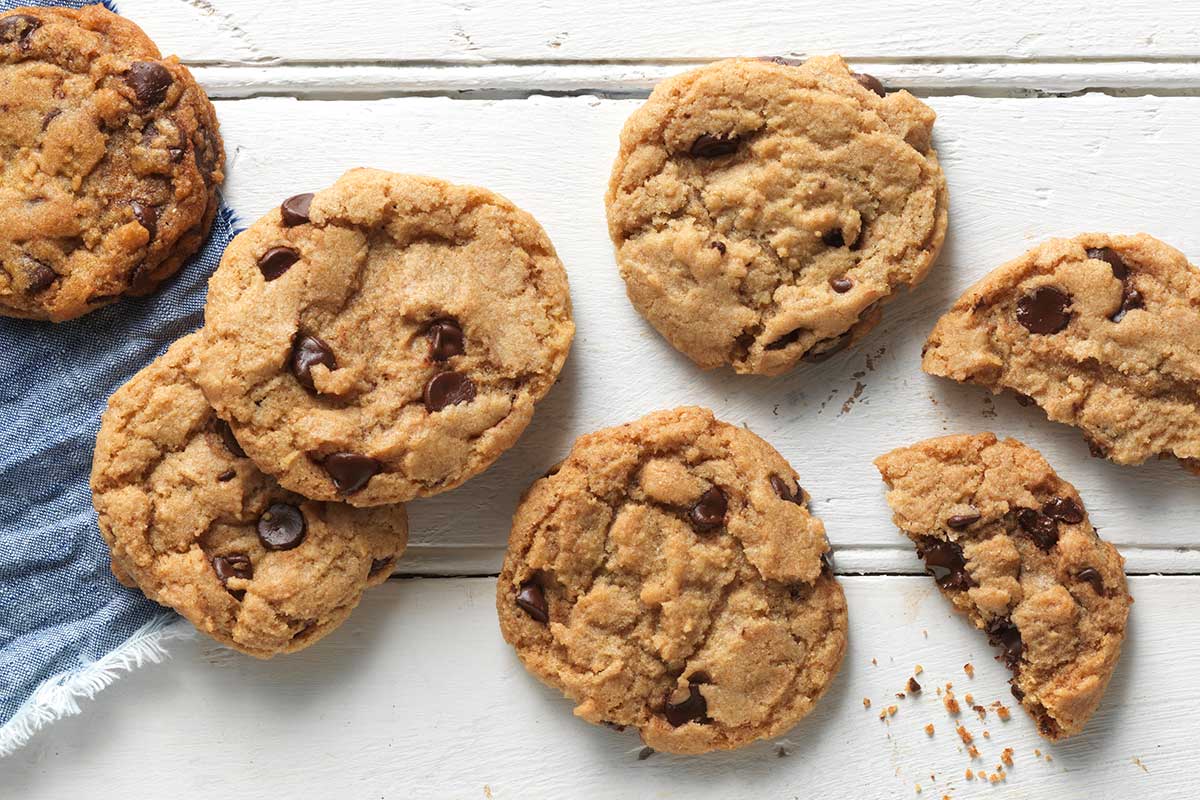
pixel 1043 530
pixel 1129 301
pixel 146 216
pixel 826 349
pixel 281 527
pixel 448 389
pixel 232 566
pixel 960 521
pixel 18 28
pixel 350 471
pixel 445 339
pixel 1004 633
pixel 944 560
pixel 307 352
pixel 532 601
pixel 781 488
pixel 40 276
pixel 294 210
pixel 1017 691
pixel 228 439
pixel 149 81
pixel 1092 576
pixel 1063 509
pixel 277 261
pixel 709 511
pixel 227 475
pixel 685 704
pixel 719 247
pixel 913 686
pixel 870 82
pixel 789 338
pixel 841 285
pixel 1044 310
pixel 833 238
pixel 709 146
pixel 1120 270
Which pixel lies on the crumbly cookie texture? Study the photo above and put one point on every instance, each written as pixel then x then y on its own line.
pixel 669 576
pixel 385 338
pixel 1010 544
pixel 193 524
pixel 763 211
pixel 1102 332
pixel 109 162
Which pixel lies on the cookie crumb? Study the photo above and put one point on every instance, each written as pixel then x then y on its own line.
pixel 918 669
pixel 964 734
pixel 970 700
pixel 900 695
pixel 1002 713
pixel 487 791
pixel 913 686
pixel 986 734
pixel 973 751
pixel 950 703
pixel 1037 753
pixel 969 668
pixel 891 710
pixel 929 729
pixel 980 710
pixel 874 662
pixel 1142 766
pixel 970 775
pixel 1007 756
pixel 866 702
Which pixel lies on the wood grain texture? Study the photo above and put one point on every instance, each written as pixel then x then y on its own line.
pixel 1019 170
pixel 479 31
pixel 417 696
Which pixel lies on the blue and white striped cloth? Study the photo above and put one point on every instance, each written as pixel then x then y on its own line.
pixel 67 628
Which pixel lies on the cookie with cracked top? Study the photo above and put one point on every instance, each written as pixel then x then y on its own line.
pixel 385 338
pixel 192 523
pixel 110 162
pixel 1009 543
pixel 1101 331
pixel 763 212
pixel 668 576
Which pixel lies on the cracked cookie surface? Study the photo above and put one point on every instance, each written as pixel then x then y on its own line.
pixel 110 161
pixel 668 576
pixel 1102 332
pixel 1010 545
pixel 385 338
pixel 762 212
pixel 193 524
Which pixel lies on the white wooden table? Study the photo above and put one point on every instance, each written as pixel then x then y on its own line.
pixel 1054 117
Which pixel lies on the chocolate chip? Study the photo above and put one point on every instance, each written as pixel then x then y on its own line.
pixel 944 560
pixel 1004 633
pixel 1041 528
pixel 719 247
pixel 709 146
pixel 685 704
pixel 1120 270
pixel 176 153
pixel 1129 301
pixel 448 389
pixel 17 28
pixel 870 82
pixel 307 352
pixel 1090 575
pixel 228 439
pixel 1024 400
pixel 791 337
pixel 40 276
pixel 380 564
pixel 833 238
pixel 1063 509
pixel 445 339
pixel 277 261
pixel 532 601
pixel 826 349
pixel 1017 691
pixel 350 471
pixel 149 81
pixel 960 521
pixel 227 475
pixel 233 566
pixel 1097 449
pixel 146 216
pixel 281 527
pixel 1045 310
pixel 709 511
pixel 51 115
pixel 841 285
pixel 913 686
pixel 294 210
pixel 781 488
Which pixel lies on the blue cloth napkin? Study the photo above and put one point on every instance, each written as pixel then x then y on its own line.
pixel 67 628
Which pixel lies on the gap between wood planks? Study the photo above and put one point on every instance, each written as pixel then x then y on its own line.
pixel 1047 78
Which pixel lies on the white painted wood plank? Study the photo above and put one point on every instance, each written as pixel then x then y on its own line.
pixel 418 696
pixel 1019 170
pixel 564 30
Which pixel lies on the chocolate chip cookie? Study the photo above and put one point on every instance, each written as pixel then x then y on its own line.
pixel 762 212
pixel 1102 332
pixel 109 162
pixel 385 338
pixel 193 524
pixel 668 576
pixel 1010 545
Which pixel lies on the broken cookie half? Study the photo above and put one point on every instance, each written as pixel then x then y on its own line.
pixel 1010 545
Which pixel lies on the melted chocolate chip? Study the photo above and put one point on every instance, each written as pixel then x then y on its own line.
pixel 227 475
pixel 826 349
pixel 1044 310
pixel 40 276
pixel 960 521
pixel 1092 576
pixel 294 210
pixel 781 488
pixel 685 704
pixel 232 566
pixel 1129 301
pixel 841 285
pixel 1043 530
pixel 1004 633
pixel 532 601
pixel 307 352
pixel 708 513
pixel 146 216
pixel 719 247
pixel 378 565
pixel 350 471
pixel 17 28
pixel 1063 509
pixel 277 261
pixel 833 238
pixel 709 146
pixel 448 389
pixel 228 439
pixel 445 339
pixel 870 82
pixel 944 560
pixel 789 338
pixel 281 527
pixel 149 81
pixel 1120 270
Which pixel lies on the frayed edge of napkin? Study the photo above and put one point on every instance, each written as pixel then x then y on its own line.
pixel 59 695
